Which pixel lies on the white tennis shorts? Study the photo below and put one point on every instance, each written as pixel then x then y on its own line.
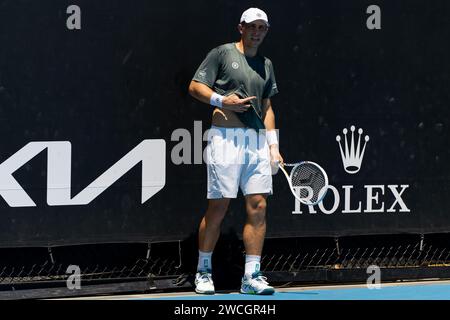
pixel 237 157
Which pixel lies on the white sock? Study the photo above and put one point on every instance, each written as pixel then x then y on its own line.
pixel 252 264
pixel 204 261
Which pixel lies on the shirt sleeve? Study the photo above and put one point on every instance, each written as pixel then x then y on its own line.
pixel 208 70
pixel 271 88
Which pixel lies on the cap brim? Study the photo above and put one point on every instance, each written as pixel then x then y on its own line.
pixel 266 22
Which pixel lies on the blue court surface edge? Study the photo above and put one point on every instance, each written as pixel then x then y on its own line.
pixel 386 292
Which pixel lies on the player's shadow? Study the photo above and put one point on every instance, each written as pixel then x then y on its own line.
pixel 227 260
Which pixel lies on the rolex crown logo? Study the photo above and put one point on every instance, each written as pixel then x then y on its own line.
pixel 351 158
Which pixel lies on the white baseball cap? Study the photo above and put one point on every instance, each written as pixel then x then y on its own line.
pixel 253 14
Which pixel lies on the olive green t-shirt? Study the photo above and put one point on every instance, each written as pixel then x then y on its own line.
pixel 226 71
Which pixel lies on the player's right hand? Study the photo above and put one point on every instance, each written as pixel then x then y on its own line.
pixel 234 103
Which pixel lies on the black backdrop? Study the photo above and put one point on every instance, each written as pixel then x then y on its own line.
pixel 123 78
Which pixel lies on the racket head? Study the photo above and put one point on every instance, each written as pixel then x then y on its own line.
pixel 309 182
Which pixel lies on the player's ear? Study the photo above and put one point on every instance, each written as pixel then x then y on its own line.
pixel 240 27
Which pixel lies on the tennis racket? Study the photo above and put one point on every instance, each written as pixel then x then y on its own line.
pixel 308 181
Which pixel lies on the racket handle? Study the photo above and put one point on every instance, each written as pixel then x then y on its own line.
pixel 290 164
pixel 284 164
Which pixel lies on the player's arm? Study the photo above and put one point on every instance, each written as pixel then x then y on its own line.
pixel 205 94
pixel 268 114
pixel 271 132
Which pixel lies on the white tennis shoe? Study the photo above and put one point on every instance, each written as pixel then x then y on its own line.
pixel 256 284
pixel 204 283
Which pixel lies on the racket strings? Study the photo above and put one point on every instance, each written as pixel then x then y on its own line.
pixel 308 175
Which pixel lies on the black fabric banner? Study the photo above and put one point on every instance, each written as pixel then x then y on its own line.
pixel 101 141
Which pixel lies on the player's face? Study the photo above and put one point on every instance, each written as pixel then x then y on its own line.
pixel 253 33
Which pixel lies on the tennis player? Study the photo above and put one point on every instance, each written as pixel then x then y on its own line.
pixel 238 82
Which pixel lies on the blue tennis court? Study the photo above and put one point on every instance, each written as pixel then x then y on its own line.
pixel 410 291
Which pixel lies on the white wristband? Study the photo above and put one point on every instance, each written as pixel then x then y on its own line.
pixel 271 137
pixel 216 100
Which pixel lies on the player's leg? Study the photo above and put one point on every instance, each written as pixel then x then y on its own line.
pixel 223 184
pixel 253 282
pixel 209 229
pixel 256 184
pixel 255 225
pixel 208 234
